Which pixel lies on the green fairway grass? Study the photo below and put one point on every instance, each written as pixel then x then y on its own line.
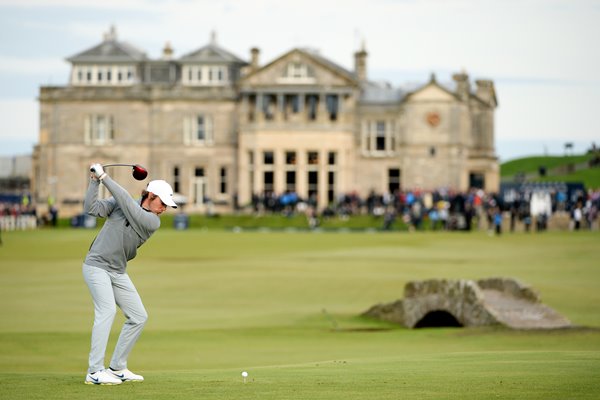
pixel 286 308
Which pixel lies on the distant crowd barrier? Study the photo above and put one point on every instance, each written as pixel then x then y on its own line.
pixel 18 223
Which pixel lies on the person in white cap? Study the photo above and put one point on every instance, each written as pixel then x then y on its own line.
pixel 129 223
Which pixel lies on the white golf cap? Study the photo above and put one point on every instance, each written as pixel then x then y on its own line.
pixel 163 190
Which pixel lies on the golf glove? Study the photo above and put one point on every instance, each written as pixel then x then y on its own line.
pixel 98 171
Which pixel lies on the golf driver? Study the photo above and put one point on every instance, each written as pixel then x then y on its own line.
pixel 140 173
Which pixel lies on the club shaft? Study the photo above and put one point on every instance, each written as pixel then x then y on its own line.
pixel 118 165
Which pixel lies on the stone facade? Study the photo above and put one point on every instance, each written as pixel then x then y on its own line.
pixel 221 129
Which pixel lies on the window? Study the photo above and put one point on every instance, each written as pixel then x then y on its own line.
pixel 313 158
pixel 298 72
pixel 380 136
pixel 176 179
pixel 313 183
pixel 377 138
pixel 199 190
pixel 331 158
pixel 204 75
pixel 99 129
pixel 290 181
pixel 477 180
pixel 393 180
pixel 223 181
pixel 332 106
pixel 103 75
pixel 198 130
pixel 268 181
pixel 330 186
pixel 290 157
pixel 268 158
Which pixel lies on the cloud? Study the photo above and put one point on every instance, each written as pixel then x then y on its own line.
pixel 17 121
pixel 105 4
pixel 31 66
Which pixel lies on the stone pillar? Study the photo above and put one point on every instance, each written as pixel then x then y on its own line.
pixel 322 114
pixel 279 171
pixel 258 108
pixel 301 174
pixel 323 181
pixel 280 109
pixel 244 114
pixel 301 101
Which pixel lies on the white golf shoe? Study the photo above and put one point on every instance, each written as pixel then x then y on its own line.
pixel 101 378
pixel 125 375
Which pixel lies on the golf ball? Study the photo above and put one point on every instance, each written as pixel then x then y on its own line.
pixel 244 374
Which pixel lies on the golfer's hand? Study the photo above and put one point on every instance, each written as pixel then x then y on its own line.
pixel 97 171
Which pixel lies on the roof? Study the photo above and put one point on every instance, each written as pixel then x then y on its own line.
pixel 381 93
pixel 110 51
pixel 212 54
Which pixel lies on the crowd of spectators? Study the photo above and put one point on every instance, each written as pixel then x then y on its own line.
pixel 21 214
pixel 530 206
pixel 17 216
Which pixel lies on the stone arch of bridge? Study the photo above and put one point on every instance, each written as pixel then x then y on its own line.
pixel 438 319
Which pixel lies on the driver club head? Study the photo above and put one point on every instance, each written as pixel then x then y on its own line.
pixel 140 173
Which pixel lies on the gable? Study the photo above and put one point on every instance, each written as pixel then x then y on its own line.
pixel 431 92
pixel 300 68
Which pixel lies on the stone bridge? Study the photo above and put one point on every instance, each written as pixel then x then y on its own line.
pixel 494 301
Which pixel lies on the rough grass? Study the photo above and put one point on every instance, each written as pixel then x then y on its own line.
pixel 531 164
pixel 590 177
pixel 285 306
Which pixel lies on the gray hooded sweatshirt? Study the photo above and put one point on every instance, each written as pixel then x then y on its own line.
pixel 127 226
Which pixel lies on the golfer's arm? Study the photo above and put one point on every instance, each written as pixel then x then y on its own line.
pixel 95 207
pixel 142 221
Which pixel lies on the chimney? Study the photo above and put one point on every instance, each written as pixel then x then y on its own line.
pixel 462 85
pixel 254 53
pixel 360 64
pixel 486 91
pixel 167 51
pixel 111 35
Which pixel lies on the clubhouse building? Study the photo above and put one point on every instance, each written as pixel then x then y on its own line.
pixel 221 129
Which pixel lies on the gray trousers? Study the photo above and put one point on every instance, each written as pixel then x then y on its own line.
pixel 108 290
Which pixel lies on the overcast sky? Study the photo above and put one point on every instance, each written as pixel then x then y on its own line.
pixel 542 55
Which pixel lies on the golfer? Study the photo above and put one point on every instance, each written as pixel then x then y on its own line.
pixel 129 223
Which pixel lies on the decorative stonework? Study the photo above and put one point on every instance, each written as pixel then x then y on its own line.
pixel 495 301
pixel 433 119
